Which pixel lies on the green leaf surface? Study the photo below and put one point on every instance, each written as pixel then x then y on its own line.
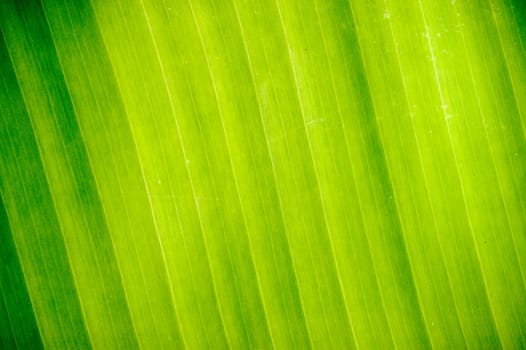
pixel 273 174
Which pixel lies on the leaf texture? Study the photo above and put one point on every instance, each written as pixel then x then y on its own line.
pixel 228 174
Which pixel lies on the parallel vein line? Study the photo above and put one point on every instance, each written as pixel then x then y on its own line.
pixel 267 325
pixel 104 211
pixel 183 149
pixel 267 144
pixel 148 195
pixel 491 153
pixel 298 93
pixel 420 162
pixel 75 114
pixel 389 174
pixel 340 115
pixel 443 102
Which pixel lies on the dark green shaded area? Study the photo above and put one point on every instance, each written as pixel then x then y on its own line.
pixel 62 150
pixel 18 326
pixel 33 219
pixel 64 155
pixel 518 10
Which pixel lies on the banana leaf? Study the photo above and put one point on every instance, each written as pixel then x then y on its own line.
pixel 272 174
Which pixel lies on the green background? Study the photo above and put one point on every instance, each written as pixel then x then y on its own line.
pixel 258 174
